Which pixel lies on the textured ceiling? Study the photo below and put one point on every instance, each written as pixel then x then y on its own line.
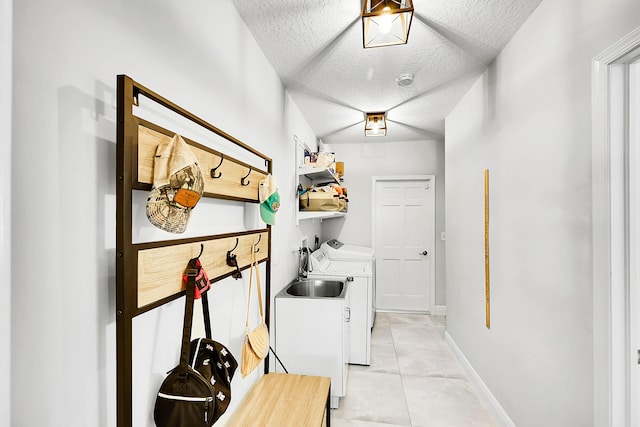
pixel 315 46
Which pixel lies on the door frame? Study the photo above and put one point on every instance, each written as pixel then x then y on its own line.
pixel 6 114
pixel 613 393
pixel 432 180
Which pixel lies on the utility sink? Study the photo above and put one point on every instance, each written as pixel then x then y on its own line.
pixel 316 288
pixel 312 330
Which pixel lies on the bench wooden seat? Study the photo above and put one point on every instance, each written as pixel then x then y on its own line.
pixel 280 400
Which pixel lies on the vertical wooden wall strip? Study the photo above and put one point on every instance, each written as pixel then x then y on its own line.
pixel 487 281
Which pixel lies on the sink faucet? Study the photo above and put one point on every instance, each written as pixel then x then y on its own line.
pixel 304 263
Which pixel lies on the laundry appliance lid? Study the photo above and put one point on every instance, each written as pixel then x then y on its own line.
pixel 322 265
pixel 343 269
pixel 337 250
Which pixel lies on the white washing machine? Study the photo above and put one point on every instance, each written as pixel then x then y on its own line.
pixel 359 274
pixel 336 250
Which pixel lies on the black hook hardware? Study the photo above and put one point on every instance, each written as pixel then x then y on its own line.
pixel 232 261
pixel 245 177
pixel 215 175
pixel 256 250
pixel 201 251
pixel 234 248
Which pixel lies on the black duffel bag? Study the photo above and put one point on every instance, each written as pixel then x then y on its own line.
pixel 197 391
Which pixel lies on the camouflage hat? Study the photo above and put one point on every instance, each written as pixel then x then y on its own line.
pixel 177 186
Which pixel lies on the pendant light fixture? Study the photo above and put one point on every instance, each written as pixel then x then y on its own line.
pixel 375 124
pixel 386 22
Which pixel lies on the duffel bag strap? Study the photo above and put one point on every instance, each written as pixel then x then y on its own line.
pixel 192 272
pixel 205 314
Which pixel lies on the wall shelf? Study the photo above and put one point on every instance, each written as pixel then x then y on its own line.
pixel 309 176
pixel 320 215
pixel 318 175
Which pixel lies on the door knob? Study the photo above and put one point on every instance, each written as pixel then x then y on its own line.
pixel 425 253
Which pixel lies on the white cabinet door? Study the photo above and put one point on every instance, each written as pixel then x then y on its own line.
pixel 360 328
pixel 310 339
pixel 404 244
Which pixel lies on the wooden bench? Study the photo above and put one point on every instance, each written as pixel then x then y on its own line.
pixel 281 400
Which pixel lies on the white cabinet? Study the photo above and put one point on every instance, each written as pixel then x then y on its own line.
pixel 361 314
pixel 312 338
pixel 361 291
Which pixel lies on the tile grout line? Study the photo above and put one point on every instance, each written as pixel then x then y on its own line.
pixel 404 392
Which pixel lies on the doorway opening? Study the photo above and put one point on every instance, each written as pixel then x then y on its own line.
pixel 616 233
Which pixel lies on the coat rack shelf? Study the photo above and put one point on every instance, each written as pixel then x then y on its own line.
pixel 149 275
pixel 233 179
pixel 160 285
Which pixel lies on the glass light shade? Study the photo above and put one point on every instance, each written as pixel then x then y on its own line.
pixel 375 124
pixel 386 22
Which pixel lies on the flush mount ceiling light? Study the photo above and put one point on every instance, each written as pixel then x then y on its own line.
pixel 386 22
pixel 375 124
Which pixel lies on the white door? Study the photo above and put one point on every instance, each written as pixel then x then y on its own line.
pixel 404 227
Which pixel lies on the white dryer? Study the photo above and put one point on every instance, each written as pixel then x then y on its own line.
pixel 359 274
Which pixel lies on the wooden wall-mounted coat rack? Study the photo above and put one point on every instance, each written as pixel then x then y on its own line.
pixel 149 275
pixel 225 177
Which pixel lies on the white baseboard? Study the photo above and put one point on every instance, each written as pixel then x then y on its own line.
pixel 440 310
pixel 498 412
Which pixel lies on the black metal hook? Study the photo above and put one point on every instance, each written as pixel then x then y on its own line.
pixel 232 261
pixel 245 177
pixel 257 243
pixel 201 251
pixel 213 171
pixel 234 248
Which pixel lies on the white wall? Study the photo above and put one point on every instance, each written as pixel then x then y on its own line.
pixel 67 54
pixel 364 161
pixel 5 207
pixel 527 120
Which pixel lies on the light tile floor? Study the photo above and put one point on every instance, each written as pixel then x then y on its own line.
pixel 413 380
